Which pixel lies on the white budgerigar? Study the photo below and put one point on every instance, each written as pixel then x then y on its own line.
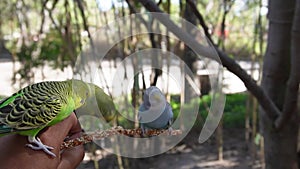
pixel 155 112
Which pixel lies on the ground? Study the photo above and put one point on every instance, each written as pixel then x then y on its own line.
pixel 189 155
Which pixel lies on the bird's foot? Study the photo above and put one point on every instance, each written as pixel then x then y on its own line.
pixel 170 130
pixel 36 144
pixel 144 133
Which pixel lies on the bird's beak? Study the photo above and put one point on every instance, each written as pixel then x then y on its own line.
pixel 156 96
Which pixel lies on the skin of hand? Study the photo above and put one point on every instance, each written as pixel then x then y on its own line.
pixel 14 154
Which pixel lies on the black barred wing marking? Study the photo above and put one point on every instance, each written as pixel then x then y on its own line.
pixel 35 107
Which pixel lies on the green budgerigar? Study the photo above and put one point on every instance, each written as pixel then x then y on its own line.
pixel 44 104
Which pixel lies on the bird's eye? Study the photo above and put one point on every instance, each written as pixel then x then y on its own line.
pixel 86 94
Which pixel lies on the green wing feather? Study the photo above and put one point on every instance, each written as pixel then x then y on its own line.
pixel 33 107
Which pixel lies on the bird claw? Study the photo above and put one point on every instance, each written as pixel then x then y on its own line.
pixel 36 144
pixel 143 133
pixel 170 130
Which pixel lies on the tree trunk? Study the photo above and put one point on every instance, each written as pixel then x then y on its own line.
pixel 189 57
pixel 279 146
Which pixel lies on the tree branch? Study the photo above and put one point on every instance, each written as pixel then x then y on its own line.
pixel 83 17
pixel 58 28
pixel 267 104
pixel 201 20
pixel 43 15
pixel 133 11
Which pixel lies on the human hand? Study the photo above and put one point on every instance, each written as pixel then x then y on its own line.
pixel 14 153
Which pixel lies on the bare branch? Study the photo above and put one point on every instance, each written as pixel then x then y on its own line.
pixel 43 15
pixel 118 130
pixel 159 2
pixel 201 20
pixel 133 11
pixel 85 25
pixel 51 16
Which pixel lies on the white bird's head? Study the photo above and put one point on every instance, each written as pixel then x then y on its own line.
pixel 153 96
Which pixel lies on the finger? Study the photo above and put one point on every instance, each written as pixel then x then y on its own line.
pixel 71 158
pixel 13 146
pixel 75 131
pixel 54 135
